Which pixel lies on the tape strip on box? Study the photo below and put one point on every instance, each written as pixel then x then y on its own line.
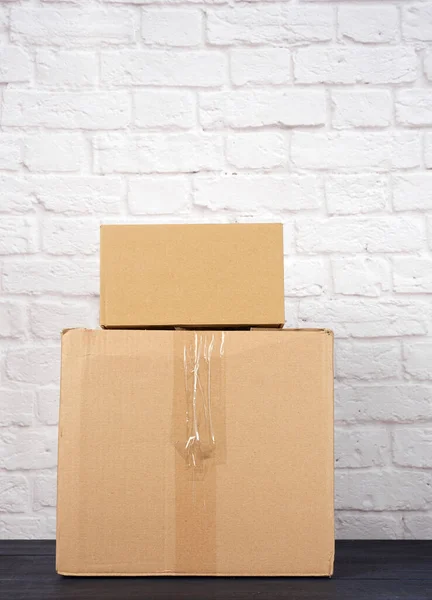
pixel 199 438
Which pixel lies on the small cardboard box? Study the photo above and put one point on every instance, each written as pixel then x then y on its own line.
pixel 196 453
pixel 191 275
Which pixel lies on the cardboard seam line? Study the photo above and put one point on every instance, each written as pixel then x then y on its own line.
pixel 175 574
pixel 199 443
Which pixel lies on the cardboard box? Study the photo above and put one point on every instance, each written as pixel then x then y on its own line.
pixel 196 453
pixel 191 275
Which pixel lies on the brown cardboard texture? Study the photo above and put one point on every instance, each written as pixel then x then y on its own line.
pixel 191 275
pixel 196 453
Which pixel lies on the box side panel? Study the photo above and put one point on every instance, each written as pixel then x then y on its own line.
pixel 275 492
pixel 116 470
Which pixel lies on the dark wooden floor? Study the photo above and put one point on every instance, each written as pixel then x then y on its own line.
pixel 372 570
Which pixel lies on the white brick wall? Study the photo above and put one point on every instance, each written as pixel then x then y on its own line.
pixel 317 114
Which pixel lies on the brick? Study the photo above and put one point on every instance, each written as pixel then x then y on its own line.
pixel 356 194
pixel 47 319
pixel 427 65
pixel 361 447
pixel 252 192
pixel 17 235
pixel 16 407
pixel 305 276
pixel 250 218
pixel 372 108
pixel 253 150
pixel 47 405
pixel 4 19
pixel 44 491
pixel 76 277
pixel 17 195
pixel 379 151
pixel 14 527
pixel 417 526
pixel 66 110
pixel 252 1
pixel 165 109
pixel 158 153
pixel 428 150
pixel 70 236
pixel 369 25
pixel 393 403
pixel 14 64
pixel 368 526
pixel 158 2
pixel 367 361
pixel 14 493
pixel 200 68
pixel 345 65
pixel 48 527
pixel 361 275
pixel 80 26
pixel 168 27
pixel 359 234
pixel 363 317
pixel 10 152
pixel 86 195
pixel 414 107
pixel 291 313
pixel 66 68
pixel 418 359
pixel 288 238
pixel 60 152
pixel 412 274
pixel 412 191
pixel 383 490
pixel 28 449
pixel 429 230
pixel 38 364
pixel 12 320
pixel 262 24
pixel 417 22
pixel 258 108
pixel 159 195
pixel 261 66
pixel 412 446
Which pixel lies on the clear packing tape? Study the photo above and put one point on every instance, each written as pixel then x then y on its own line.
pixel 199 439
pixel 203 439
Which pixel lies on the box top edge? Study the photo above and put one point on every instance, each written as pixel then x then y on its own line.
pixel 261 224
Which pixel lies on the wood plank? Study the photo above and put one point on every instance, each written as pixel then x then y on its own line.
pixel 59 588
pixel 20 547
pixel 384 559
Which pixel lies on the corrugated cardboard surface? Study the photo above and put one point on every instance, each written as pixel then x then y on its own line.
pixel 191 275
pixel 253 497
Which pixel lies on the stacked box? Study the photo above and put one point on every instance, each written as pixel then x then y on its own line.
pixel 194 451
pixel 192 275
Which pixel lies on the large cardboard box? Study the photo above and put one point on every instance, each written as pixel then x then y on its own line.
pixel 191 275
pixel 196 453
